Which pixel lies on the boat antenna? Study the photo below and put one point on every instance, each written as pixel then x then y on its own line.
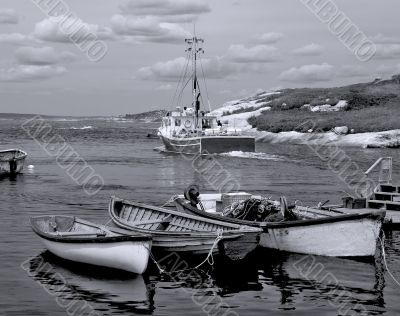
pixel 194 48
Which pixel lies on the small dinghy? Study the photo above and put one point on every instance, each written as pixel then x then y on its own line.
pixel 173 231
pixel 11 161
pixel 298 229
pixel 78 240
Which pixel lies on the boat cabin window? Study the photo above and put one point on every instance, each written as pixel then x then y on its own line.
pixel 177 122
pixel 206 123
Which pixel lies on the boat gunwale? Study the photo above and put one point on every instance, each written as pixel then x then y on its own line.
pixel 122 237
pixel 375 215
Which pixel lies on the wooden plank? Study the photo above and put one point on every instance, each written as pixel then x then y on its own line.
pixel 383 202
pixel 139 214
pixel 128 211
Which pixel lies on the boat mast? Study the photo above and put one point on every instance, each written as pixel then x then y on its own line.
pixel 194 49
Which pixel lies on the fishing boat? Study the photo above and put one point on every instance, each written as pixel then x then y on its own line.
pixel 78 240
pixel 11 161
pixel 173 231
pixel 194 130
pixel 308 231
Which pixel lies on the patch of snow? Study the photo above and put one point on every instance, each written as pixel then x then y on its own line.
pixel 241 104
pixel 366 140
pixel 239 120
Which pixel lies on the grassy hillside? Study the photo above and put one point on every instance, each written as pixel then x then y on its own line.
pixel 373 106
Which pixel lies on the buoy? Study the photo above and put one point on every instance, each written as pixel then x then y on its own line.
pixel 31 167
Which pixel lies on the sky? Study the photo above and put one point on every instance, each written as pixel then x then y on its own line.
pixel 126 55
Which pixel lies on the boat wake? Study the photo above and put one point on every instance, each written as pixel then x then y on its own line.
pixel 236 154
pixel 251 155
pixel 78 128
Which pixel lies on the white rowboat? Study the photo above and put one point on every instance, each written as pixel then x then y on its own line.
pixel 78 240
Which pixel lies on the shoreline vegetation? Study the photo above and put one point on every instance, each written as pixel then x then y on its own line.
pixel 365 114
pixel 367 107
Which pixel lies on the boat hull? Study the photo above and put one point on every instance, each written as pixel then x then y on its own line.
pixel 11 161
pixel 347 238
pixel 209 144
pixel 340 235
pixel 129 256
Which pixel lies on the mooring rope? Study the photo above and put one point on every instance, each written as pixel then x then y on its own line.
pixel 161 270
pixel 209 259
pixel 382 242
pixel 171 200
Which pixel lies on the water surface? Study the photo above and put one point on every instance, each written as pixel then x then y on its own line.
pixel 267 283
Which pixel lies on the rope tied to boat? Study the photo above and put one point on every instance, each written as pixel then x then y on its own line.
pixel 171 200
pixel 161 270
pixel 209 259
pixel 382 242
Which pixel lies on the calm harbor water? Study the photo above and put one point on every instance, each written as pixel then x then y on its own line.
pixel 121 153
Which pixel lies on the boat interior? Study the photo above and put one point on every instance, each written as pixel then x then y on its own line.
pixel 6 155
pixel 63 226
pixel 158 219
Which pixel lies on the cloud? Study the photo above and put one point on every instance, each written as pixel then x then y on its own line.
pixel 16 38
pixel 309 50
pixel 388 70
pixel 350 71
pixel 381 39
pixel 269 38
pixel 165 87
pixel 170 10
pixel 148 29
pixel 8 16
pixel 308 73
pixel 61 29
pixel 42 56
pixel 255 54
pixel 387 51
pixel 215 68
pixel 23 73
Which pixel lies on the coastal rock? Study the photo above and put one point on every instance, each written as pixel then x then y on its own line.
pixel 341 130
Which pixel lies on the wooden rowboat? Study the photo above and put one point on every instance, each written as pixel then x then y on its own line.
pixel 78 240
pixel 314 232
pixel 173 231
pixel 11 161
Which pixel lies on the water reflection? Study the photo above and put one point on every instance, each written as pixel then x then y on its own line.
pixel 103 289
pixel 340 283
pixel 352 285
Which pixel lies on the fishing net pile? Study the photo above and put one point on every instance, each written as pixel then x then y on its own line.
pixel 258 210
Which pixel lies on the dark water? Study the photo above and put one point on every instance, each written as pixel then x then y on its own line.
pixel 121 153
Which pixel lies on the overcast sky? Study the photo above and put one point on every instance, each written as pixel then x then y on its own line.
pixel 250 45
